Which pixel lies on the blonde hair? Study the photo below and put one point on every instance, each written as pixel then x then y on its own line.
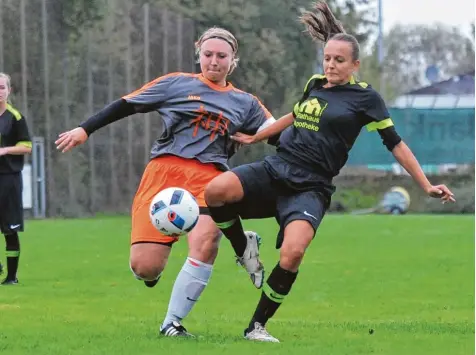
pixel 225 35
pixel 8 79
pixel 322 26
pixel 9 85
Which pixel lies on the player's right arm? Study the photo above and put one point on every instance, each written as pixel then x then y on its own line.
pixel 145 99
pixel 270 131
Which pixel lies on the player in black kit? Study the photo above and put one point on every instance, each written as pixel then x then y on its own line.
pixel 15 142
pixel 295 186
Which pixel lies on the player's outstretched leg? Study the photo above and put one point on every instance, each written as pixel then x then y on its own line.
pixel 298 234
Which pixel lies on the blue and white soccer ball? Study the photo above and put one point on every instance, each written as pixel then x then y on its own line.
pixel 174 211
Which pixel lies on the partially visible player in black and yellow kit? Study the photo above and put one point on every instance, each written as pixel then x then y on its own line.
pixel 295 185
pixel 15 142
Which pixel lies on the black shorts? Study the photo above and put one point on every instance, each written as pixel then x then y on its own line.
pixel 11 203
pixel 276 188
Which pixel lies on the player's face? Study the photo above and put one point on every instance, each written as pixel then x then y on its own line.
pixel 338 63
pixel 4 89
pixel 216 56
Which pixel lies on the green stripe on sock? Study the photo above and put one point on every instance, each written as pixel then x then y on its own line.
pixel 272 295
pixel 225 225
pixel 12 253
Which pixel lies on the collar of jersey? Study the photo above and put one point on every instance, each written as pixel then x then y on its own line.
pixel 352 81
pixel 214 86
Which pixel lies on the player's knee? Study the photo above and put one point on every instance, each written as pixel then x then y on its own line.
pixel 215 192
pixel 223 189
pixel 145 271
pixel 291 256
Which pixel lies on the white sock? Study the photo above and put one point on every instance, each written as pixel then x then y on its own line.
pixel 188 287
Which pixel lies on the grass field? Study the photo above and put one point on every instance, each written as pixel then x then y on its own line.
pixel 409 278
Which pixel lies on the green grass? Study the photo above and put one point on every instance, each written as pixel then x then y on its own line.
pixel 410 278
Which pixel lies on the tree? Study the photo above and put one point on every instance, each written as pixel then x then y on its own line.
pixel 411 49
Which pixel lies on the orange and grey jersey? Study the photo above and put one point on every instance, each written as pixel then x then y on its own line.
pixel 13 131
pixel 198 115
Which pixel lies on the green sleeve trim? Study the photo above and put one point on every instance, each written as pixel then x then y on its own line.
pixel 25 144
pixel 14 112
pixel 373 126
pixel 316 76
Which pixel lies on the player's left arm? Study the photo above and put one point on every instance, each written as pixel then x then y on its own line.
pixel 381 122
pixel 23 140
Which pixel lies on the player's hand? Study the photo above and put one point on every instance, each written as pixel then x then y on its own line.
pixel 441 192
pixel 243 138
pixel 3 151
pixel 68 140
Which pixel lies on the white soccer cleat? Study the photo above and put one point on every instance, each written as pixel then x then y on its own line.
pixel 250 259
pixel 259 333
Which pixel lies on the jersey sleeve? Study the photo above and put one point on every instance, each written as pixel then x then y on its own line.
pixel 22 134
pixel 153 94
pixel 258 118
pixel 376 112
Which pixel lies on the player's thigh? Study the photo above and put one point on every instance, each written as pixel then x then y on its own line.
pixel 11 204
pixel 161 173
pixel 259 191
pixel 306 206
pixel 204 239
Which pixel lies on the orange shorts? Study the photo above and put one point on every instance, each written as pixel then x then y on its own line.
pixel 161 173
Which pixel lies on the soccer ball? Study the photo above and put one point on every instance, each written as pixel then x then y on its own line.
pixel 174 211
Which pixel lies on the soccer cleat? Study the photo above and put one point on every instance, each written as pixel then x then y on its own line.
pixel 259 333
pixel 152 283
pixel 250 259
pixel 175 329
pixel 8 282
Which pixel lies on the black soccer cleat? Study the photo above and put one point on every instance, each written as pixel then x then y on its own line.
pixel 152 283
pixel 8 282
pixel 175 329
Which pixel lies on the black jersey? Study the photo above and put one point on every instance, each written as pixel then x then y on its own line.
pixel 328 121
pixel 13 131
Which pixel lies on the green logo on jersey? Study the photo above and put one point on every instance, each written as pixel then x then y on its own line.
pixel 308 113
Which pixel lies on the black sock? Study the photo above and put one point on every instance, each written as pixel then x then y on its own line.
pixel 277 286
pixel 13 255
pixel 229 223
